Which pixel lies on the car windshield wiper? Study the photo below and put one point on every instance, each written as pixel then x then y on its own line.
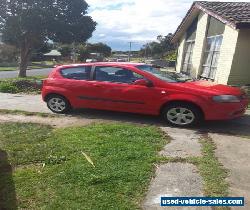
pixel 186 80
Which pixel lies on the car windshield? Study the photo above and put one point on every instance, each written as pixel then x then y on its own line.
pixel 165 75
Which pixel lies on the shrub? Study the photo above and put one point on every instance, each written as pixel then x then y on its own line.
pixel 19 86
pixel 8 87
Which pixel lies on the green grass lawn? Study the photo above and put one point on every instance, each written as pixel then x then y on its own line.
pixel 50 171
pixel 8 68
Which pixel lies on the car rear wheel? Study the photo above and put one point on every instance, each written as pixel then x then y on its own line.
pixel 182 115
pixel 58 104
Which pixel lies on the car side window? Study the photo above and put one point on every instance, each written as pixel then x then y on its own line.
pixel 115 74
pixel 77 73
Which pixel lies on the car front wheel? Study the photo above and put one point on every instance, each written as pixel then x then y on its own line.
pixel 182 115
pixel 58 104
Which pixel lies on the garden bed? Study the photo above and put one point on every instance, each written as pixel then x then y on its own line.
pixel 27 85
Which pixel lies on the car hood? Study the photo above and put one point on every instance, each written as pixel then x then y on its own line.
pixel 212 88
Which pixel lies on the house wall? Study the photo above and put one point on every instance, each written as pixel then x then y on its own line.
pixel 240 71
pixel 227 51
pixel 234 60
pixel 199 44
pixel 180 54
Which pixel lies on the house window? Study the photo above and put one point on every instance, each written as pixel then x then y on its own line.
pixel 187 60
pixel 211 57
pixel 212 51
pixel 188 49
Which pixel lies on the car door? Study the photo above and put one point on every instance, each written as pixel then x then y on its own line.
pixel 114 89
pixel 77 81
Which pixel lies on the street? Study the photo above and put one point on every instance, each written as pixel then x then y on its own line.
pixel 34 72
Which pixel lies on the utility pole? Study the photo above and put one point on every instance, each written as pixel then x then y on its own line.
pixel 74 52
pixel 146 52
pixel 129 55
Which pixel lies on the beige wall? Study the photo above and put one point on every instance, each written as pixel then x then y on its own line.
pixel 199 44
pixel 180 54
pixel 227 50
pixel 240 71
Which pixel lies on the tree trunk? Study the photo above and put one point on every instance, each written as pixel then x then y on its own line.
pixel 24 55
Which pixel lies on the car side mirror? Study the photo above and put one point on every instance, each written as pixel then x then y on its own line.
pixel 143 82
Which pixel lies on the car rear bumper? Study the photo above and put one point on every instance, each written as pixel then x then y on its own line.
pixel 227 111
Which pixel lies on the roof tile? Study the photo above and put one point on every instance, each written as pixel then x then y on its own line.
pixel 237 13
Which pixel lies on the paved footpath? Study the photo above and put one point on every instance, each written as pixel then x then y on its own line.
pixel 29 103
pixel 176 179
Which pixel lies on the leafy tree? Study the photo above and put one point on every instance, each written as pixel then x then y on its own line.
pixel 39 51
pixel 166 43
pixel 65 50
pixel 83 53
pixel 8 53
pixel 162 47
pixel 28 23
pixel 172 56
pixel 99 48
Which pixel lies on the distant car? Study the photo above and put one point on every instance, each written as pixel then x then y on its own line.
pixel 139 88
pixel 90 60
pixel 122 60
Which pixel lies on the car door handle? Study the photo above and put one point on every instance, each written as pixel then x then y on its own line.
pixel 97 85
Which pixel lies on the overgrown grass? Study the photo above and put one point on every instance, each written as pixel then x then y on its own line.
pixel 212 170
pixel 20 85
pixel 51 172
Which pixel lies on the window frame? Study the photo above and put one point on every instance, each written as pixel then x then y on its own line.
pixel 215 53
pixel 185 52
pixel 114 82
pixel 74 67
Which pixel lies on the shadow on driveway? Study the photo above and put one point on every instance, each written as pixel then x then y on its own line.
pixel 7 188
pixel 239 126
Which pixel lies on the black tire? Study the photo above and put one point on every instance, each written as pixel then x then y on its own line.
pixel 193 115
pixel 65 105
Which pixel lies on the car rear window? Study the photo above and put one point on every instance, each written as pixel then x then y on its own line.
pixel 77 73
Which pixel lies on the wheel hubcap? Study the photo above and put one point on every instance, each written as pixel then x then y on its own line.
pixel 57 104
pixel 180 116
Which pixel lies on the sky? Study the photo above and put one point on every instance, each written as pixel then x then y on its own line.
pixel 137 21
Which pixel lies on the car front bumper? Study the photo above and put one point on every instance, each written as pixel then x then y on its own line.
pixel 226 111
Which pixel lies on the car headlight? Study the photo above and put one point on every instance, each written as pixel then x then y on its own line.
pixel 226 99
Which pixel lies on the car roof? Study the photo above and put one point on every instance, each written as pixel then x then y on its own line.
pixel 123 64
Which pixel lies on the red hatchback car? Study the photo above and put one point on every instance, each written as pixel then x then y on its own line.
pixel 140 88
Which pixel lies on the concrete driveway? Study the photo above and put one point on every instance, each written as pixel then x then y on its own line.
pixel 33 72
